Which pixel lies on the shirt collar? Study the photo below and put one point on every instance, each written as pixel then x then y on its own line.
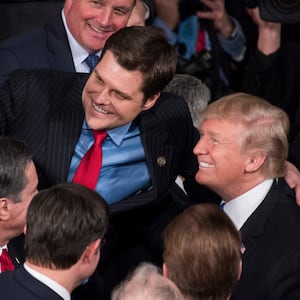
pixel 240 209
pixel 2 248
pixel 53 285
pixel 79 54
pixel 116 134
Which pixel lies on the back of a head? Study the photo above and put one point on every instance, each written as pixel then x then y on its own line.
pixel 265 128
pixel 203 252
pixel 193 90
pixel 61 222
pixel 145 49
pixel 146 283
pixel 14 158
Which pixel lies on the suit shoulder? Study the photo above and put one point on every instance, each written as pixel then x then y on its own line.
pixel 51 77
pixel 172 106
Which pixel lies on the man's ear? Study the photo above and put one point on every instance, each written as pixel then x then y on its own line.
pixel 254 162
pixel 165 270
pixel 4 209
pixel 151 101
pixel 92 249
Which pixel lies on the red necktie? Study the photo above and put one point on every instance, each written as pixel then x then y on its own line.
pixel 89 168
pixel 6 263
pixel 201 45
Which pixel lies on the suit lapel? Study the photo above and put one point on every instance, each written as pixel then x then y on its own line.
pixel 255 226
pixel 63 132
pixel 158 153
pixel 60 56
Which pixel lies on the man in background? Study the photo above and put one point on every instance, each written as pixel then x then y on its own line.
pixel 72 41
pixel 64 228
pixel 18 185
pixel 147 283
pixel 202 253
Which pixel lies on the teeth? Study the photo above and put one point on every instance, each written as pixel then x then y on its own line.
pixel 205 164
pixel 99 30
pixel 96 29
pixel 99 109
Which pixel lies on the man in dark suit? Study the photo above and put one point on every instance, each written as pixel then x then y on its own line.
pixel 62 247
pixel 65 42
pixel 150 138
pixel 18 185
pixel 241 155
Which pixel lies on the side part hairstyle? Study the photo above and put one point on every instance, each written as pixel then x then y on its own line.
pixel 202 252
pixel 266 128
pixel 61 222
pixel 151 54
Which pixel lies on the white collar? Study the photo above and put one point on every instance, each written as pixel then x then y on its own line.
pixel 79 54
pixel 240 209
pixel 53 285
pixel 2 248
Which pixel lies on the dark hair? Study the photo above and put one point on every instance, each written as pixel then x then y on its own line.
pixel 14 158
pixel 145 49
pixel 61 222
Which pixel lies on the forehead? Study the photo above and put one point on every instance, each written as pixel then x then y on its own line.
pixel 113 3
pixel 112 72
pixel 221 127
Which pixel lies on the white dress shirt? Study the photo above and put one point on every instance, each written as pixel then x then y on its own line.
pixel 57 288
pixel 240 209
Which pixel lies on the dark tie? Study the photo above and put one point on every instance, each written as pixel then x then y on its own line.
pixel 222 204
pixel 6 263
pixel 89 168
pixel 92 61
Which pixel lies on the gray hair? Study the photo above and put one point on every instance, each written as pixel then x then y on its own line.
pixel 193 90
pixel 146 283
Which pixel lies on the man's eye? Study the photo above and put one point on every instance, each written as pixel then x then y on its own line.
pixel 121 12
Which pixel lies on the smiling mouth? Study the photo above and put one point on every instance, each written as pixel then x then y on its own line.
pixel 204 164
pixel 100 30
pixel 99 109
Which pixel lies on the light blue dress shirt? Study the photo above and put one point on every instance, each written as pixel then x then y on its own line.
pixel 124 170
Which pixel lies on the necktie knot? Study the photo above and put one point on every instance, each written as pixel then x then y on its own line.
pixel 99 137
pixel 92 61
pixel 89 168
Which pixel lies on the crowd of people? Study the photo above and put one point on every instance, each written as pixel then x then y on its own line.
pixel 149 150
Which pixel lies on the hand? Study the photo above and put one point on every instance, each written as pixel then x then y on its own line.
pixel 292 178
pixel 217 13
pixel 269 33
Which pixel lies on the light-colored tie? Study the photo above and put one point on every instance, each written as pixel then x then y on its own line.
pixel 89 168
pixel 6 263
pixel 92 61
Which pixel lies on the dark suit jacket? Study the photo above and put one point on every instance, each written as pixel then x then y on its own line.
pixel 271 236
pixel 20 285
pixel 44 109
pixel 16 250
pixel 45 47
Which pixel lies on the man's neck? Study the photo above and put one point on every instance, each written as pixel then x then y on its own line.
pixel 62 277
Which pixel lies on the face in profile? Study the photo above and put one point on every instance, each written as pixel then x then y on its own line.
pixel 93 22
pixel 113 96
pixel 18 210
pixel 221 163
